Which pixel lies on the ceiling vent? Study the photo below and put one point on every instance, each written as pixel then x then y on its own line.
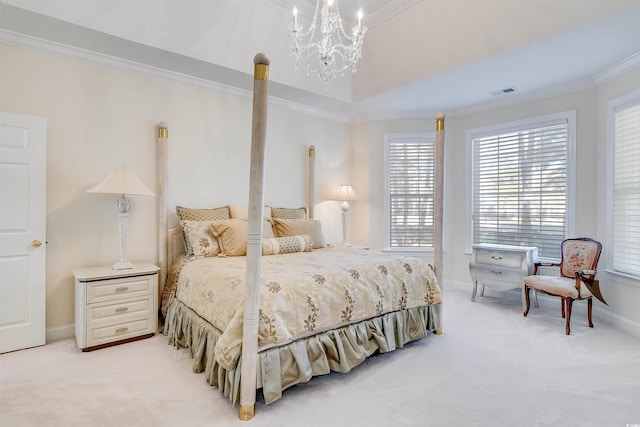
pixel 503 91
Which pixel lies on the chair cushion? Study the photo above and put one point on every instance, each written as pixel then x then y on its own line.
pixel 556 285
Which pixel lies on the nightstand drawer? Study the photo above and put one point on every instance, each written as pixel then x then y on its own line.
pixel 101 335
pixel 109 290
pixel 499 258
pixel 498 272
pixel 119 311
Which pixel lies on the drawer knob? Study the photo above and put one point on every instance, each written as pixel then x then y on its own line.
pixel 121 309
pixel 496 257
pixel 121 330
pixel 122 289
pixel 496 272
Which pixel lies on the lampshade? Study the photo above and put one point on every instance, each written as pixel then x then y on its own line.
pixel 346 193
pixel 121 181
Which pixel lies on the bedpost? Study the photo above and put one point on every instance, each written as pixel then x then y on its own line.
pixel 248 373
pixel 312 178
pixel 438 204
pixel 163 136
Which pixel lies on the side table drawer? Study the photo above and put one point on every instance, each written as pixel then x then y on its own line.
pixel 499 258
pixel 491 273
pixel 119 311
pixel 109 290
pixel 97 335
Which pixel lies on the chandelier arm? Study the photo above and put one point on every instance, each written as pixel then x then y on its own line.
pixel 340 27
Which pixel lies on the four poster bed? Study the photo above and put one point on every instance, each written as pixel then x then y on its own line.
pixel 261 301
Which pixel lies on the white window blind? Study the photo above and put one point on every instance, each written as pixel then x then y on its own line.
pixel 519 187
pixel 410 179
pixel 626 191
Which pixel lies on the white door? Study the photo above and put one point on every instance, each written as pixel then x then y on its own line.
pixel 23 141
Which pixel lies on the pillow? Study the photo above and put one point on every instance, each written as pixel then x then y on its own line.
pixel 190 214
pixel 214 214
pixel 232 235
pixel 200 238
pixel 286 245
pixel 289 213
pixel 294 227
pixel 240 211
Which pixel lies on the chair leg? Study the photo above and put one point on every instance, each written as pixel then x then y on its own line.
pixel 527 301
pixel 562 304
pixel 568 302
pixel 590 311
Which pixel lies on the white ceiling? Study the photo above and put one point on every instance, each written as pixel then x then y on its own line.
pixel 420 56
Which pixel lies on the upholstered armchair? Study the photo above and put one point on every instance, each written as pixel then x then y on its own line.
pixel 577 277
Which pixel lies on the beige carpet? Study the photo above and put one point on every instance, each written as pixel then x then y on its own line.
pixel 491 367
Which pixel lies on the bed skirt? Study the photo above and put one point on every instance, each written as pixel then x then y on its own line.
pixel 281 367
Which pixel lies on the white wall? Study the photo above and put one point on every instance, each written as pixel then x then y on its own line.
pixel 622 294
pixel 99 119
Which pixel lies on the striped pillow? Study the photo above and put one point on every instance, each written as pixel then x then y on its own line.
pixel 286 245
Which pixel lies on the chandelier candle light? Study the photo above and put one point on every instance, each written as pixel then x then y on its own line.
pixel 121 181
pixel 334 50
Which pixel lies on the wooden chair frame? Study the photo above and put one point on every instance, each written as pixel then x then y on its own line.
pixel 580 276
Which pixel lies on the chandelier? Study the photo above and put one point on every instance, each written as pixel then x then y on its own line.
pixel 331 51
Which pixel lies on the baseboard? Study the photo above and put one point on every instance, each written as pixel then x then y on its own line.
pixel 550 303
pixel 60 333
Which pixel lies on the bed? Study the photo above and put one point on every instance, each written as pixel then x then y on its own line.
pixel 281 306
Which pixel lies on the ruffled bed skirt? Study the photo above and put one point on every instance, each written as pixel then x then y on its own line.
pixel 281 367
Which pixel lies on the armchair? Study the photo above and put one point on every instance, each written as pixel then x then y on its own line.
pixel 576 281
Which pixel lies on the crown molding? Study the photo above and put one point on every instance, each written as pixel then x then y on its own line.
pixel 622 67
pixel 23 41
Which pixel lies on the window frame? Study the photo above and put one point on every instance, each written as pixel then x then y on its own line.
pixel 424 137
pixel 518 125
pixel 629 98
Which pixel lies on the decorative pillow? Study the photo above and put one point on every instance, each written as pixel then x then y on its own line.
pixel 214 214
pixel 232 235
pixel 200 238
pixel 286 245
pixel 294 227
pixel 240 211
pixel 289 213
pixel 190 214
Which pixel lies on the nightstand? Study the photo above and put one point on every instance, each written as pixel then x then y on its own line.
pixel 115 306
pixel 501 266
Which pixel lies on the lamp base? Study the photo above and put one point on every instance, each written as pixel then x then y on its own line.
pixel 122 265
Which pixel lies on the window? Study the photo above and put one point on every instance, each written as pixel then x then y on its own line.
pixel 624 141
pixel 409 179
pixel 519 183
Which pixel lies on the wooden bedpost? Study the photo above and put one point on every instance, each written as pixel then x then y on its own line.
pixel 312 172
pixel 163 227
pixel 248 373
pixel 438 205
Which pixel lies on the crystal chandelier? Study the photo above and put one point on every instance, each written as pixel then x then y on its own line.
pixel 333 50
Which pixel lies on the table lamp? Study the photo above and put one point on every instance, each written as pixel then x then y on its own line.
pixel 345 194
pixel 123 182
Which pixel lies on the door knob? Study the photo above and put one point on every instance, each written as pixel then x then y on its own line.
pixel 36 243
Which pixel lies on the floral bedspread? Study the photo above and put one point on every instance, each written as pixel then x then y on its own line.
pixel 304 293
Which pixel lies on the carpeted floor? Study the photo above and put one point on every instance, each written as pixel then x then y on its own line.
pixel 490 367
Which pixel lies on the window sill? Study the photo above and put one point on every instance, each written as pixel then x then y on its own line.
pixel 626 279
